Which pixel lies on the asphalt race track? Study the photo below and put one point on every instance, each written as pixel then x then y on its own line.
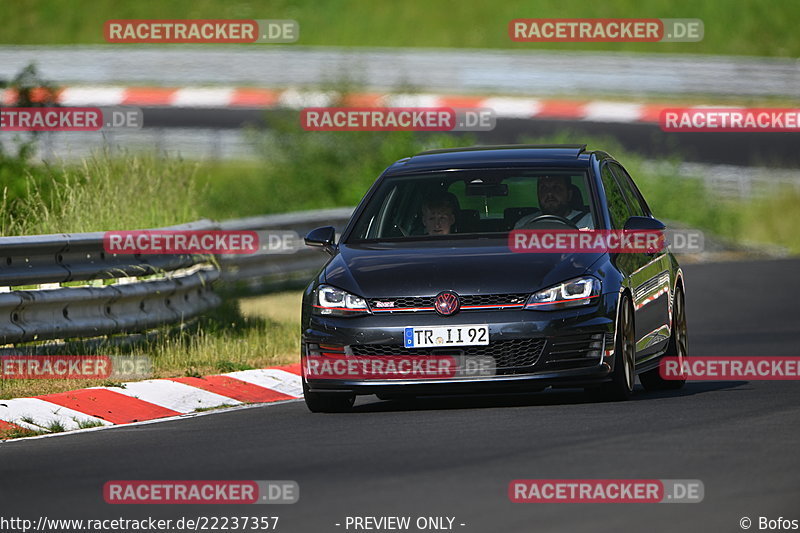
pixel 456 457
pixel 777 149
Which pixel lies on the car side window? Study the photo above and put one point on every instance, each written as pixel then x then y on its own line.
pixel 635 200
pixel 617 207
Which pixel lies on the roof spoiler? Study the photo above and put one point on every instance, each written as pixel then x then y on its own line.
pixel 579 148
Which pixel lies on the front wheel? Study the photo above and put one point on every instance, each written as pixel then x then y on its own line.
pixel 677 347
pixel 624 375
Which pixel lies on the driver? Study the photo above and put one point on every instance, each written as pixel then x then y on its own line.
pixel 555 198
pixel 438 214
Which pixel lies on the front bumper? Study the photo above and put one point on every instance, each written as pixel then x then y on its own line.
pixel 580 377
pixel 575 348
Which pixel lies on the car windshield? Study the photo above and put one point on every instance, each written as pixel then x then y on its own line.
pixel 475 202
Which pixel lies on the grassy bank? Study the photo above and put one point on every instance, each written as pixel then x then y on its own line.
pixel 741 27
pixel 297 170
pixel 101 194
pixel 226 340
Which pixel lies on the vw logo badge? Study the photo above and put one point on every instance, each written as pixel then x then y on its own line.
pixel 447 303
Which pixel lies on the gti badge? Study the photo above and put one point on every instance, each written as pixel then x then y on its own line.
pixel 447 303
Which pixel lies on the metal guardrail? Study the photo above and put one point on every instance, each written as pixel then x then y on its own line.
pixel 530 72
pixel 115 293
pixel 126 294
pixel 264 270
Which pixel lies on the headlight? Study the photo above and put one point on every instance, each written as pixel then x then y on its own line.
pixel 331 301
pixel 573 293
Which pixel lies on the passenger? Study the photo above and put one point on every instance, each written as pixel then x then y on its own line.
pixel 439 214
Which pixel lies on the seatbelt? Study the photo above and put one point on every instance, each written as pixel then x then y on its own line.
pixel 577 217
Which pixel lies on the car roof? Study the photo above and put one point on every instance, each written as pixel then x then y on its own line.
pixel 518 155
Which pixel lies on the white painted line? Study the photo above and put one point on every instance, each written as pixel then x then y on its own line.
pixel 173 395
pixel 413 100
pixel 612 112
pixel 713 107
pixel 272 378
pixel 203 97
pixel 147 422
pixel 43 414
pixel 294 99
pixel 79 96
pixel 513 107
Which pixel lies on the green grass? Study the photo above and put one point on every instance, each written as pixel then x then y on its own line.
pixel 300 170
pixel 226 340
pixel 20 433
pixel 773 220
pixel 743 27
pixel 231 366
pixel 86 424
pixel 53 427
pixel 205 409
pixel 102 194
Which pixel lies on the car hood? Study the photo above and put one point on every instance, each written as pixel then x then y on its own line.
pixel 391 270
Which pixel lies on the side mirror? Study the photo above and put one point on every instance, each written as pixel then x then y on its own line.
pixel 644 224
pixel 324 238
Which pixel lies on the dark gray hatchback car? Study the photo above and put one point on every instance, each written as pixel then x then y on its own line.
pixel 423 294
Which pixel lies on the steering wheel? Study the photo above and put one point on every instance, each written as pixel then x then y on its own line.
pixel 548 221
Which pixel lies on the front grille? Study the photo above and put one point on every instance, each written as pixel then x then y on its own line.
pixel 493 299
pixel 401 303
pixel 511 356
pixel 425 303
pixel 508 354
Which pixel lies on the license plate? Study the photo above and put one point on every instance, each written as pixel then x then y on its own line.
pixel 444 336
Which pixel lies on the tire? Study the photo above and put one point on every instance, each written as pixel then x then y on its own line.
pixel 623 376
pixel 328 402
pixel 678 346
